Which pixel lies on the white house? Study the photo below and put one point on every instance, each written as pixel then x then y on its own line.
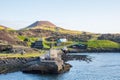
pixel 62 40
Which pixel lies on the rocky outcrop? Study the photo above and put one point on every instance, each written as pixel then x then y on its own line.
pixel 32 65
pixel 70 57
pixel 14 64
pixel 47 67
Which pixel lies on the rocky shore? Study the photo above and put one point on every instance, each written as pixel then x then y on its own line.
pixel 47 68
pixel 95 50
pixel 32 65
pixel 14 64
pixel 35 65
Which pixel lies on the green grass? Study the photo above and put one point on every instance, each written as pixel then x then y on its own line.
pixel 102 44
pixel 47 44
pixel 21 38
pixel 31 39
pixel 18 55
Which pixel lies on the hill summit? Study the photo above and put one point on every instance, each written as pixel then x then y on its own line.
pixel 41 25
pixel 49 26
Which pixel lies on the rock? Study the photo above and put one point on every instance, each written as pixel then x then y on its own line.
pixel 47 67
pixel 14 64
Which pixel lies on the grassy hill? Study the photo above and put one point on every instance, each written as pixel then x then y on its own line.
pixel 103 44
pixel 49 31
pixel 46 25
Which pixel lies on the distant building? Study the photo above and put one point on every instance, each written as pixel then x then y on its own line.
pixel 61 40
pixel 38 44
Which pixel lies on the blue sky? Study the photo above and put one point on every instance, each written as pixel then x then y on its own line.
pixel 99 16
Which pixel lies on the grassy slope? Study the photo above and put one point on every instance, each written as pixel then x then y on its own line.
pixel 61 30
pixel 47 44
pixel 18 55
pixel 91 44
pixel 102 44
pixel 31 39
pixel 69 31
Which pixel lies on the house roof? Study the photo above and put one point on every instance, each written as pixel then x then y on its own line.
pixel 62 40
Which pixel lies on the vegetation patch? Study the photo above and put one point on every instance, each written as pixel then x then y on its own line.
pixel 22 38
pixel 18 55
pixel 102 44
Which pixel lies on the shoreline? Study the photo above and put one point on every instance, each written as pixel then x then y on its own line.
pixel 8 65
pixel 94 51
pixel 32 65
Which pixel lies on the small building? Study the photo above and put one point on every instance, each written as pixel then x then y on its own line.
pixel 62 40
pixel 38 44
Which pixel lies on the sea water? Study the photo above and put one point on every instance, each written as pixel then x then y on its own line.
pixel 104 66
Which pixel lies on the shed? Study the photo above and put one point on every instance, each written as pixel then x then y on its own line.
pixel 37 44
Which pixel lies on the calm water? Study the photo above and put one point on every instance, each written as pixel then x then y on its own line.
pixel 103 67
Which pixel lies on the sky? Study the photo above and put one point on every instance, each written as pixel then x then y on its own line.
pixel 98 16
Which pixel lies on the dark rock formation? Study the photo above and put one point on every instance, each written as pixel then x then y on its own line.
pixel 6 48
pixel 14 64
pixel 68 57
pixel 47 67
